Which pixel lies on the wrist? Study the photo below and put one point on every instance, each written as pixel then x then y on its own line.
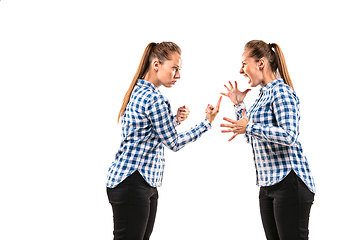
pixel 209 119
pixel 238 103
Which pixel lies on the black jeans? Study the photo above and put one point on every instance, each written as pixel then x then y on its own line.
pixel 134 205
pixel 285 209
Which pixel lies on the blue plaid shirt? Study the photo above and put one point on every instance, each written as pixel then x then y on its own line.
pixel 148 125
pixel 273 132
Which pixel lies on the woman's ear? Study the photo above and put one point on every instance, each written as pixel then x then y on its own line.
pixel 261 64
pixel 155 64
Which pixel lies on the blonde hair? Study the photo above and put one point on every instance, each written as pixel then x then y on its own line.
pixel 161 51
pixel 259 49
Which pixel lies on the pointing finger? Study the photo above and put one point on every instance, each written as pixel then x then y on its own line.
pixel 218 104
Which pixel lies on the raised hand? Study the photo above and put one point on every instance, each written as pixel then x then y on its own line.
pixel 182 114
pixel 236 126
pixel 211 111
pixel 236 96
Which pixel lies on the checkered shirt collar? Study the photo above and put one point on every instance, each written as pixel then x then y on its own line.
pixel 271 84
pixel 144 83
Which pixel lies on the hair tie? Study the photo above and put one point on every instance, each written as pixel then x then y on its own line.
pixel 270 46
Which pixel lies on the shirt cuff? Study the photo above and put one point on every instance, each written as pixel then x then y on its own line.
pixel 175 121
pixel 239 107
pixel 249 128
pixel 206 124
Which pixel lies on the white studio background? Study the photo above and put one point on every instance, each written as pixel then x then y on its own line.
pixel 65 66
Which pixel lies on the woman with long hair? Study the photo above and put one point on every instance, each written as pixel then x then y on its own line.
pixel 271 126
pixel 147 126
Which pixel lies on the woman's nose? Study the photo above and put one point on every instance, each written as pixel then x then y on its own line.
pixel 242 71
pixel 177 75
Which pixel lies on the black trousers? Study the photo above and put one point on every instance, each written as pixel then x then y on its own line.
pixel 134 205
pixel 285 209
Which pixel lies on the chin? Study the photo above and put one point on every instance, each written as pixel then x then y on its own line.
pixel 252 84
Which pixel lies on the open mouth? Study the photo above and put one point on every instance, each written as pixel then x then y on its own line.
pixel 247 76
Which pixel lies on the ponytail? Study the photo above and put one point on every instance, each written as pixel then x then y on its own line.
pixel 140 74
pixel 275 57
pixel 153 50
pixel 281 65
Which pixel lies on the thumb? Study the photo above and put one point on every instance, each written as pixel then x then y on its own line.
pixel 244 113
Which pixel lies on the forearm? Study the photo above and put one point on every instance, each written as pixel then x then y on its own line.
pixel 178 141
pixel 272 134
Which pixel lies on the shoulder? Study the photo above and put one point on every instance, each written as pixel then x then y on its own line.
pixel 154 102
pixel 282 91
pixel 148 95
pixel 155 98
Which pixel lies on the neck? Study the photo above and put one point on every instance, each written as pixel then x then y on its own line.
pixel 151 77
pixel 267 78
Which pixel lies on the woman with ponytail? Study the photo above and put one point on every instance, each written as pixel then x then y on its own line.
pixel 271 126
pixel 147 126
